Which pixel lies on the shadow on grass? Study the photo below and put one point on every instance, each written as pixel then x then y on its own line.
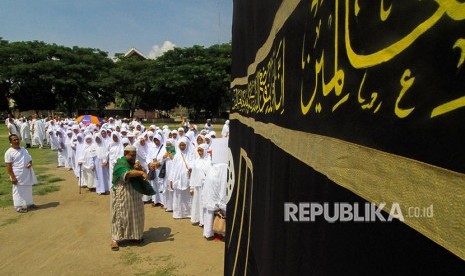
pixel 45 206
pixel 160 234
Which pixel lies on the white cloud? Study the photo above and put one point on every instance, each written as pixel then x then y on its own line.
pixel 158 51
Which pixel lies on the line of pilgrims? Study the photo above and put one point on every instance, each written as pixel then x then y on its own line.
pixel 178 162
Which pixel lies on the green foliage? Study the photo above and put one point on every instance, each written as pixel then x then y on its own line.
pixel 66 79
pixel 131 83
pixel 194 77
pixel 54 76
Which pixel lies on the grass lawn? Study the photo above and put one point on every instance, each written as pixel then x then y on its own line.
pixel 40 158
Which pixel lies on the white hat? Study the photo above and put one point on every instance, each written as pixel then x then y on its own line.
pixel 125 141
pixel 130 148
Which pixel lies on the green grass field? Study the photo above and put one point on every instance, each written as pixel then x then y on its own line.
pixel 40 159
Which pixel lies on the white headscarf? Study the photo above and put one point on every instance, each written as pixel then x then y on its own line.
pixel 115 149
pixel 88 144
pixel 100 148
pixel 125 140
pixel 200 168
pixel 185 141
pixel 177 134
pixel 190 135
pixel 181 163
pixel 142 151
pixel 160 137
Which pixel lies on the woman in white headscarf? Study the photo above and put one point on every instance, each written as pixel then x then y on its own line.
pixel 156 159
pixel 53 140
pixel 69 143
pixel 208 140
pixel 190 135
pixel 166 131
pixel 62 153
pixel 150 144
pixel 87 162
pixel 200 139
pixel 78 151
pixel 181 132
pixel 142 151
pixel 200 168
pixel 174 135
pixel 101 165
pixel 106 139
pixel 225 131
pixel 179 179
pixel 168 162
pixel 214 196
pixel 115 151
pixel 141 159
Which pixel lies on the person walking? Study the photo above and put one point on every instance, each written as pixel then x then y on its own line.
pixel 127 207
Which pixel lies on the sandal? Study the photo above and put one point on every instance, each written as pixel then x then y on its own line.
pixel 114 246
pixel 21 210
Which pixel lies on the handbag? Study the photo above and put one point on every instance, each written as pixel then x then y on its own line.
pixel 152 173
pixel 219 223
pixel 162 171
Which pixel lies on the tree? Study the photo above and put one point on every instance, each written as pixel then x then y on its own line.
pixel 194 77
pixel 40 76
pixel 28 81
pixel 131 82
pixel 84 79
pixel 5 74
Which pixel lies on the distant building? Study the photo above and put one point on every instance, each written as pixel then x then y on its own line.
pixel 134 53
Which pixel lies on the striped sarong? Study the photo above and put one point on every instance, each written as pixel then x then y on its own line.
pixel 127 212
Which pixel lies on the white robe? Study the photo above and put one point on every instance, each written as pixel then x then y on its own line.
pixel 101 168
pixel 70 153
pixel 62 153
pixel 79 147
pixel 168 192
pixel 54 143
pixel 180 179
pixel 25 133
pixel 115 151
pixel 38 135
pixel 214 195
pixel 200 168
pixel 88 166
pixel 156 154
pixel 22 192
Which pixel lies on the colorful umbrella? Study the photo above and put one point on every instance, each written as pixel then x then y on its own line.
pixel 89 119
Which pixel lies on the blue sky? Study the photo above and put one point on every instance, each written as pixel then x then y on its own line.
pixel 115 26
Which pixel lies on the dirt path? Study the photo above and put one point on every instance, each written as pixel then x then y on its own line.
pixel 70 235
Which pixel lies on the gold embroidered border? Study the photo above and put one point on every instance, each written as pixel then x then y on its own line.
pixel 378 177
